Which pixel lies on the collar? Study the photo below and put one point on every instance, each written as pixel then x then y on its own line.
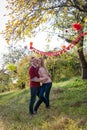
pixel 34 66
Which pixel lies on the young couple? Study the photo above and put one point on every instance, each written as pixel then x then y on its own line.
pixel 38 75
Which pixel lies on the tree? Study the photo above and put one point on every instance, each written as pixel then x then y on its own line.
pixel 4 81
pixel 11 67
pixel 64 66
pixel 22 72
pixel 14 55
pixel 28 16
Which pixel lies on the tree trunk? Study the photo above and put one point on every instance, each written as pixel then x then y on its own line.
pixel 82 60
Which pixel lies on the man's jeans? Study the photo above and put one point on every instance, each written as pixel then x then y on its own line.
pixel 34 92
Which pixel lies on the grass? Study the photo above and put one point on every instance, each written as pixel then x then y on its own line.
pixel 68 108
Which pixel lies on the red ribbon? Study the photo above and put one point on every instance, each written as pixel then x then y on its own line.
pixel 31 44
pixel 64 48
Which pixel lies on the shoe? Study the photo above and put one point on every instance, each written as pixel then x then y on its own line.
pixel 35 112
pixel 32 115
pixel 48 107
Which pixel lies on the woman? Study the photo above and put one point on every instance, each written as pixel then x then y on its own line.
pixel 46 85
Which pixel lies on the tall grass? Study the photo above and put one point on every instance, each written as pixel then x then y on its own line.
pixel 68 108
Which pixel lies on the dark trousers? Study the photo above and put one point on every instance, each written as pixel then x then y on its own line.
pixel 44 95
pixel 34 92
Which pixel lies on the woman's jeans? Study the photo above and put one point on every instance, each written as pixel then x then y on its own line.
pixel 44 95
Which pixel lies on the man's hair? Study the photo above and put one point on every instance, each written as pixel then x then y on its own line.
pixel 32 58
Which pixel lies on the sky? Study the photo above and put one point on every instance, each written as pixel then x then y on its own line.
pixel 3 45
pixel 39 42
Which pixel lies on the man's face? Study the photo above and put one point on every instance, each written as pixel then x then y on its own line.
pixel 34 61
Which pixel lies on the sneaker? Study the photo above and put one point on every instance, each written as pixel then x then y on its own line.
pixel 35 112
pixel 48 107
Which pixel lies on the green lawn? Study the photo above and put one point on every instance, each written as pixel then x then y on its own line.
pixel 68 108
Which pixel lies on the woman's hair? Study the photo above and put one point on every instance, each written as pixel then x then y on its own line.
pixel 42 62
pixel 43 65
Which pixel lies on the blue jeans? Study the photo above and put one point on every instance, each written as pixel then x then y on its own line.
pixel 34 92
pixel 45 91
pixel 44 95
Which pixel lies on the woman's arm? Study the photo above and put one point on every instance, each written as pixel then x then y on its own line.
pixel 42 79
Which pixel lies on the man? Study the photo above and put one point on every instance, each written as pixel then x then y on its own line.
pixel 34 84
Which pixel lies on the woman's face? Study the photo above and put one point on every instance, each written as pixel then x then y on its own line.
pixel 39 62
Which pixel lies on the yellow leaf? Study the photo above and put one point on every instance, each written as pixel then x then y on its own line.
pixel 12 17
pixel 85 19
pixel 7 40
pixel 44 18
pixel 11 31
pixel 7 27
